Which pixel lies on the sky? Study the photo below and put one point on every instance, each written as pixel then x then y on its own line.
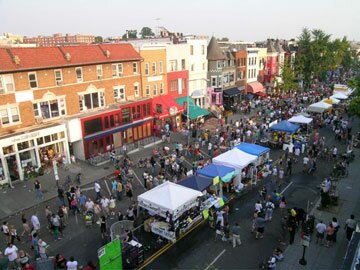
pixel 245 20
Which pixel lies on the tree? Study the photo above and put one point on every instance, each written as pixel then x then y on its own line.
pixel 130 34
pixel 303 58
pixel 354 107
pixel 146 32
pixel 98 39
pixel 224 39
pixel 288 77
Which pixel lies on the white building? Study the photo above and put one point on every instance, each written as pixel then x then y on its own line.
pixel 198 66
pixel 252 65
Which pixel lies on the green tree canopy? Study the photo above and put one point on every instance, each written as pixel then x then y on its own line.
pixel 130 34
pixel 288 77
pixel 98 39
pixel 146 32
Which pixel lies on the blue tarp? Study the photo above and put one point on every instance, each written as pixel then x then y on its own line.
pixel 252 149
pixel 196 182
pixel 213 170
pixel 285 126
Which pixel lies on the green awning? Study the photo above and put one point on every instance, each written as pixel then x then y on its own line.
pixel 194 110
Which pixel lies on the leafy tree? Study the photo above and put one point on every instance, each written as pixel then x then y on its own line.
pixel 98 39
pixel 130 34
pixel 224 39
pixel 146 32
pixel 288 77
pixel 354 107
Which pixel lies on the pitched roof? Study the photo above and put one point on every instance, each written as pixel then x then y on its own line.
pixel 52 57
pixel 214 51
pixel 278 47
pixel 270 47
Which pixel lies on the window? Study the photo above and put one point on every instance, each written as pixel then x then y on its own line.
pixel 146 68
pixel 119 93
pixel 154 89
pixel 136 89
pixel 153 67
pixel 91 101
pixel 148 109
pixel 191 49
pixel 192 67
pixel 183 64
pixel 148 90
pixel 173 65
pixel 79 74
pixel 174 85
pixel 161 88
pixel 125 115
pixel 58 77
pixel 6 84
pixel 50 108
pixel 202 49
pixel 159 108
pixel 99 72
pixel 203 66
pixel 219 64
pixel 135 67
pixel 117 70
pixel 161 68
pixel 9 115
pixel 33 80
pixel 214 81
pixel 183 84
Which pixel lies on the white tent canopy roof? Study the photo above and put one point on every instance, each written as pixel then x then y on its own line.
pixel 300 119
pixel 168 197
pixel 319 107
pixel 333 100
pixel 235 158
pixel 339 95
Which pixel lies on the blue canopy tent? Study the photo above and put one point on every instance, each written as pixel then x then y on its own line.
pixel 196 182
pixel 212 170
pixel 252 149
pixel 285 126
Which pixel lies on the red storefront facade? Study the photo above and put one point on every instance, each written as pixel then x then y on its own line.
pixel 112 129
pixel 271 67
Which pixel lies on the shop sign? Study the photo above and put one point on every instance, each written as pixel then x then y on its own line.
pixel 25 137
pixel 173 110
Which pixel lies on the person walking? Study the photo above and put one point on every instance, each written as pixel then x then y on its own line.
pixel 72 264
pixel 320 232
pixel 35 222
pixel 61 196
pixel 269 208
pixel 235 231
pixel 55 224
pixel 336 228
pixel 103 227
pixel 350 226
pixel 292 226
pixel 12 253
pixel 6 231
pixel 119 190
pixel 38 192
pixel 260 226
pixel 329 235
pixel 97 189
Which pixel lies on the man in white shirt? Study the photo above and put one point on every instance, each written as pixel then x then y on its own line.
pixel 305 163
pixel 89 205
pixel 97 188
pixel 335 152
pixel 11 253
pixel 72 264
pixel 210 148
pixel 258 207
pixel 320 232
pixel 35 222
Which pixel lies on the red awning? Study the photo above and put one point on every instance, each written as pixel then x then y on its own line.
pixel 261 94
pixel 255 87
pixel 169 107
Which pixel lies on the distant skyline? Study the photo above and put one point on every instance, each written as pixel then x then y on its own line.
pixel 244 20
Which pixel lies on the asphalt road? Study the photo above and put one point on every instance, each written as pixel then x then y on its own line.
pixel 198 250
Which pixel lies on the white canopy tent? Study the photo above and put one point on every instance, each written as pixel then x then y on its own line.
pixel 169 197
pixel 300 119
pixel 235 158
pixel 332 100
pixel 339 95
pixel 319 107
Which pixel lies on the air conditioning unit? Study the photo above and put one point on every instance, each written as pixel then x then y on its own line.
pixel 39 120
pixel 99 77
pixel 59 83
pixel 119 99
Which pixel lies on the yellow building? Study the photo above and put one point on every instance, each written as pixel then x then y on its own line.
pixel 262 56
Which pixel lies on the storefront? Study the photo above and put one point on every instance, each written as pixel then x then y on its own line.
pixel 215 97
pixel 231 98
pixel 104 132
pixel 166 112
pixel 255 87
pixel 29 151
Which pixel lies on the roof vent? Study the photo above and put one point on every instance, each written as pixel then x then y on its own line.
pixel 107 53
pixel 67 56
pixel 16 60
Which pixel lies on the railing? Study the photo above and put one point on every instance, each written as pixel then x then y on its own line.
pixel 101 158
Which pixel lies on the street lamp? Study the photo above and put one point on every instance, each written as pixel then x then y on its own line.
pixel 188 105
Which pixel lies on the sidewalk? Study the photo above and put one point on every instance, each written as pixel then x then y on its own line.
pixel 321 257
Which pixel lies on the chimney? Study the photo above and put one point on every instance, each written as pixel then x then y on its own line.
pixel 107 53
pixel 67 56
pixel 16 60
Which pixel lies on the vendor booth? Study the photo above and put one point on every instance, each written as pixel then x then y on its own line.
pixel 224 173
pixel 339 96
pixel 176 209
pixel 319 107
pixel 283 132
pixel 196 182
pixel 257 150
pixel 239 160
pixel 331 100
pixel 301 120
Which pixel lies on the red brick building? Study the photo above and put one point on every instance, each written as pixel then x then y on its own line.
pixel 59 39
pixel 59 101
